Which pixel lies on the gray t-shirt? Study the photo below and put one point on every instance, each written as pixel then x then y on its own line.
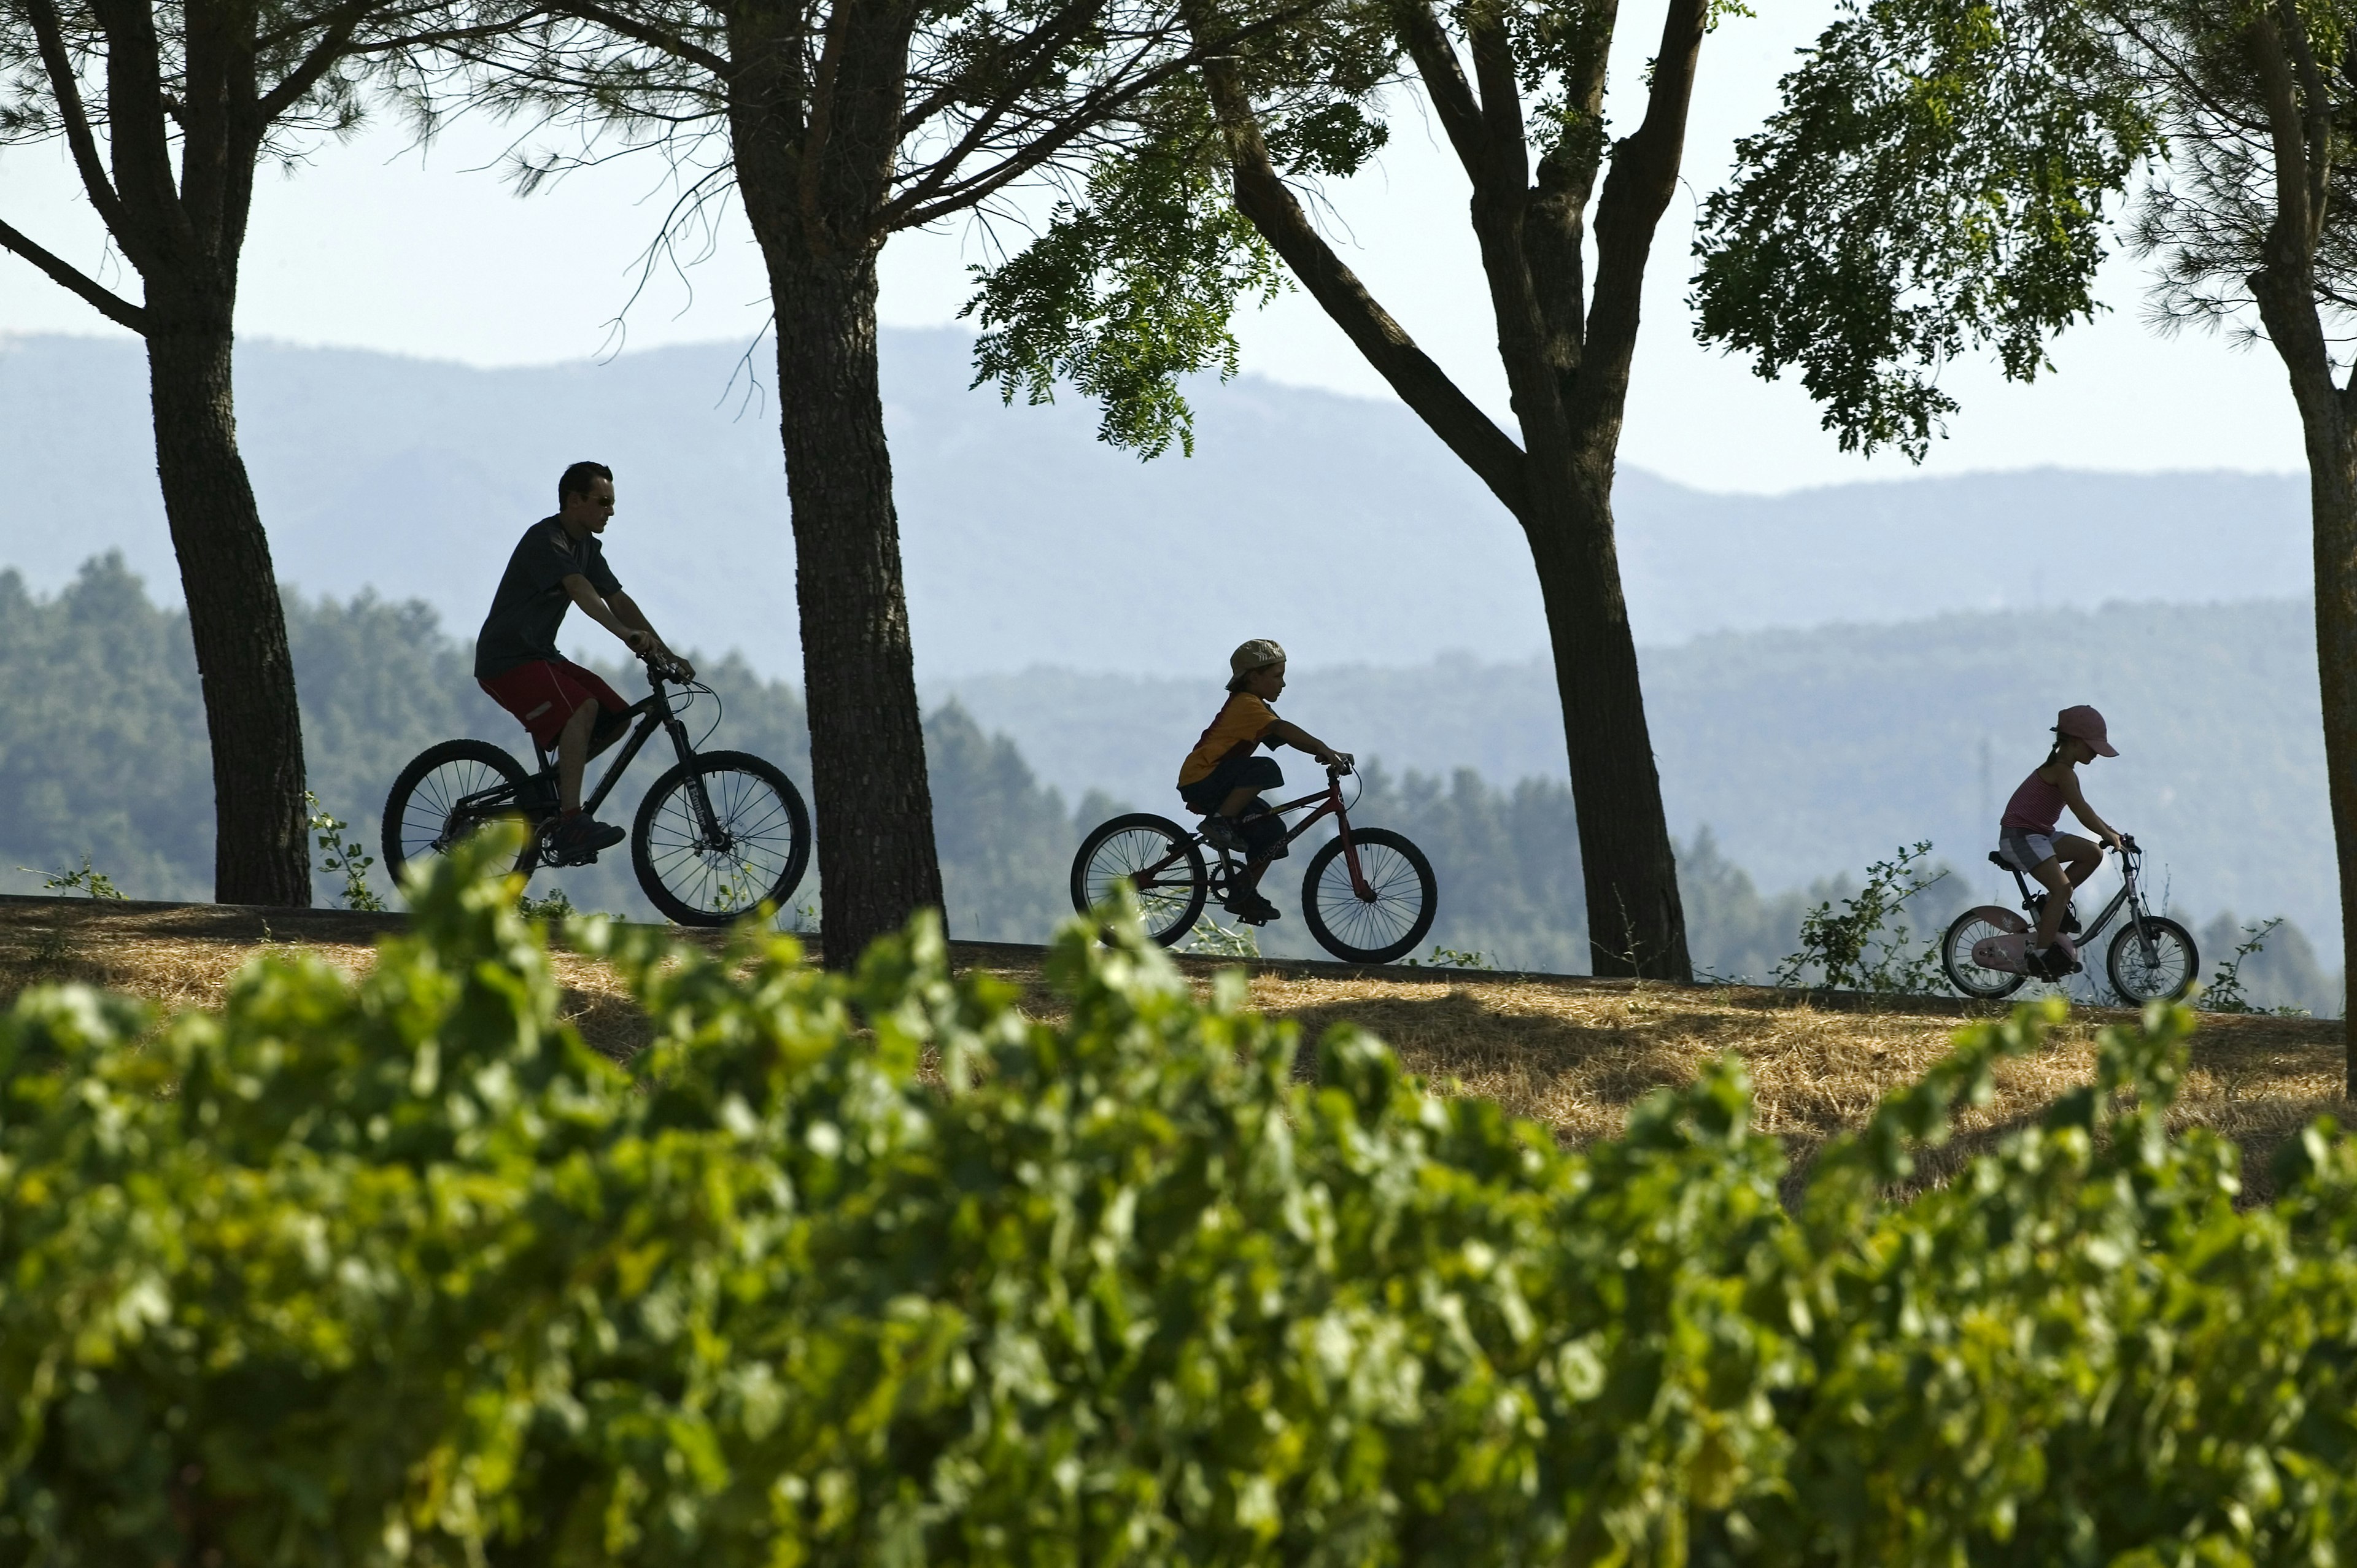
pixel 531 601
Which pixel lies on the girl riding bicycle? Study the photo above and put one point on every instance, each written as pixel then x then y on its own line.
pixel 2027 838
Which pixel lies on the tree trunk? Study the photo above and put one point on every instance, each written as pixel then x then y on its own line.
pixel 2332 490
pixel 1636 921
pixel 235 618
pixel 876 860
pixel 2332 505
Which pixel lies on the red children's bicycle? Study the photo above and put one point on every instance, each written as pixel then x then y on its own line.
pixel 1368 895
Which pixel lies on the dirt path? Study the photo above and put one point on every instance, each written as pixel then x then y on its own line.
pixel 1569 1052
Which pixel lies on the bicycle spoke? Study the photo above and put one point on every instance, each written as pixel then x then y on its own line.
pixel 1376 923
pixel 752 857
pixel 1143 855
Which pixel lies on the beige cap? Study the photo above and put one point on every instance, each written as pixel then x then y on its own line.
pixel 1258 654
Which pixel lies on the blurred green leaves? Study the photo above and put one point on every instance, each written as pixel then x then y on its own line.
pixel 879 1268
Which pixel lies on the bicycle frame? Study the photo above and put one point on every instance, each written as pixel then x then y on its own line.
pixel 2129 894
pixel 1327 801
pixel 651 713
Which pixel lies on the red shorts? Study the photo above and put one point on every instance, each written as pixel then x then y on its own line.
pixel 544 694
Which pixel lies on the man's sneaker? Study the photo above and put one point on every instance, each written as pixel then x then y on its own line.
pixel 1221 833
pixel 576 839
pixel 1252 909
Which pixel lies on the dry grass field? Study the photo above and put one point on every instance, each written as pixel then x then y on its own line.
pixel 1571 1054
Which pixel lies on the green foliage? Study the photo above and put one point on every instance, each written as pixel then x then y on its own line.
pixel 1451 958
pixel 1852 951
pixel 1934 183
pixel 1212 940
pixel 1133 283
pixel 396 1269
pixel 1126 290
pixel 339 852
pixel 2224 991
pixel 89 881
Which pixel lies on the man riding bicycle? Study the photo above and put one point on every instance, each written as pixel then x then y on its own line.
pixel 559 563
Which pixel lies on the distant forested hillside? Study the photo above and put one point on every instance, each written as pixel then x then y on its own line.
pixel 102 753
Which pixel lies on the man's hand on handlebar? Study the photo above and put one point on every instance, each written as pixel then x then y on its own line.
pixel 1339 761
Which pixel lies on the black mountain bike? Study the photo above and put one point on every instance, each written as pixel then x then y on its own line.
pixel 1368 895
pixel 719 834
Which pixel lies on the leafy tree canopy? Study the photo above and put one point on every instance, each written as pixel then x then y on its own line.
pixel 1935 183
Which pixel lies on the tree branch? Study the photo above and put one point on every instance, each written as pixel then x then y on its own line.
pixel 1443 82
pixel 2317 120
pixel 1064 127
pixel 1041 45
pixel 1426 390
pixel 654 37
pixel 334 43
pixel 1643 177
pixel 80 139
pixel 109 304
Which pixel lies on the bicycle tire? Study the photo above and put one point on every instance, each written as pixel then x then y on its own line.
pixel 1957 957
pixel 1397 871
pixel 418 816
pixel 1173 900
pixel 762 819
pixel 2176 962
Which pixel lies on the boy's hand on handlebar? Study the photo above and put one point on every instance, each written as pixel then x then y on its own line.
pixel 639 641
pixel 1340 761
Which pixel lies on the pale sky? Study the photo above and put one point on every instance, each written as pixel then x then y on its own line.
pixel 375 246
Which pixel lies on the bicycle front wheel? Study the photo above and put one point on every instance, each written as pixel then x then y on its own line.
pixel 2165 971
pixel 1401 899
pixel 1158 858
pixel 1957 957
pixel 719 836
pixel 447 792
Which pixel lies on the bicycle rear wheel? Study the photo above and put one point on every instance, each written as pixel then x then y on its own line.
pixel 1159 857
pixel 2168 972
pixel 752 851
pixel 1957 957
pixel 423 815
pixel 1404 896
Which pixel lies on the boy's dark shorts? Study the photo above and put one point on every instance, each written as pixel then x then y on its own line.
pixel 1264 834
pixel 544 694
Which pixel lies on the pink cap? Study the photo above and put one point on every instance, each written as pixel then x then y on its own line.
pixel 2087 724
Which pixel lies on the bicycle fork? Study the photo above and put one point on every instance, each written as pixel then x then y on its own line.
pixel 707 821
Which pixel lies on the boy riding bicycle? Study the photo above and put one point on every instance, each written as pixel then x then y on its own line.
pixel 1222 780
pixel 559 563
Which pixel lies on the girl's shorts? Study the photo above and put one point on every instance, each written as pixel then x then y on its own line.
pixel 2027 851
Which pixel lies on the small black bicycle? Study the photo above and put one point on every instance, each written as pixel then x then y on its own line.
pixel 1368 896
pixel 2152 956
pixel 720 833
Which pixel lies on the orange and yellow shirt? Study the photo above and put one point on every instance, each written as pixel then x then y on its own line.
pixel 1242 720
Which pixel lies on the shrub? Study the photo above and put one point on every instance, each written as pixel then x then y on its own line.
pixel 398 1270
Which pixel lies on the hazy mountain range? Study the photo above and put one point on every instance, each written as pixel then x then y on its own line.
pixel 1336 524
